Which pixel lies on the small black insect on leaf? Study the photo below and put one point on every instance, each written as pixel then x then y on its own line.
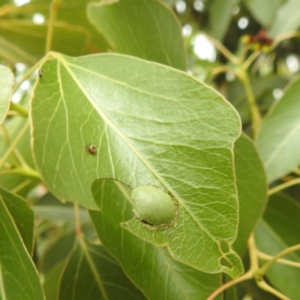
pixel 40 73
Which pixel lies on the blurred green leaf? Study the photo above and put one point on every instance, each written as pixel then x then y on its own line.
pixel 16 183
pixel 22 215
pixel 51 208
pixel 143 28
pixel 264 11
pixel 91 273
pixel 18 276
pixel 252 189
pixel 262 87
pixel 220 17
pixel 279 230
pixel 156 126
pixel 278 141
pixel 250 287
pixel 6 81
pixel 56 251
pixel 287 18
pixel 23 40
pixel 52 281
pixel 167 277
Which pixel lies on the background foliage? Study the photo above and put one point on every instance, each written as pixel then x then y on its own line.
pixel 163 90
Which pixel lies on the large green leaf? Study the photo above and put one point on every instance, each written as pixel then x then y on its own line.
pixel 22 215
pixel 144 28
pixel 6 81
pixel 18 276
pixel 287 18
pixel 91 273
pixel 279 230
pixel 166 276
pixel 264 11
pixel 151 125
pixel 252 189
pixel 278 141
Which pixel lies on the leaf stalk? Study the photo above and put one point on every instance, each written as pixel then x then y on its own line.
pixel 283 186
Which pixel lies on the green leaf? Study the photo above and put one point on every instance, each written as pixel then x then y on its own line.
pixel 287 18
pixel 264 11
pixel 91 273
pixel 252 189
pixel 52 281
pixel 151 125
pixel 56 251
pixel 144 28
pixel 262 87
pixel 24 41
pixel 22 215
pixel 220 17
pixel 278 141
pixel 51 208
pixel 18 276
pixel 16 183
pixel 167 277
pixel 6 81
pixel 250 287
pixel 279 230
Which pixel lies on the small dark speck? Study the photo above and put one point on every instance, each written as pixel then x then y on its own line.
pixel 92 149
pixel 40 73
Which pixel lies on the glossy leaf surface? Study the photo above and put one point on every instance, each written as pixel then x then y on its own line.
pixel 157 33
pixel 6 81
pixel 279 230
pixel 166 276
pixel 91 273
pixel 22 215
pixel 252 189
pixel 278 142
pixel 18 276
pixel 151 125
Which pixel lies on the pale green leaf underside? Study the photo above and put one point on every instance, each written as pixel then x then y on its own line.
pixel 278 142
pixel 18 276
pixel 152 125
pixel 6 81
